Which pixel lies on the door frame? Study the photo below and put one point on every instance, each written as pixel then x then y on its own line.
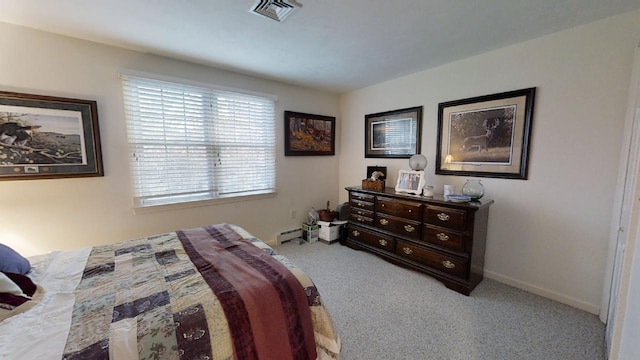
pixel 625 222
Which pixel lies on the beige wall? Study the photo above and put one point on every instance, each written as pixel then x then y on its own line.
pixel 43 215
pixel 548 234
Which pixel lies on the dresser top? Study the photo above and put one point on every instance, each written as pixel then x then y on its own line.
pixel 435 199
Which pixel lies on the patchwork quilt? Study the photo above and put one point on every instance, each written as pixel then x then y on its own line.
pixel 213 292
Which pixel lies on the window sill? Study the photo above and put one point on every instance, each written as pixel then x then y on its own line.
pixel 192 204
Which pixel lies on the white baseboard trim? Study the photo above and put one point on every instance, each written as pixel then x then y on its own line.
pixel 568 300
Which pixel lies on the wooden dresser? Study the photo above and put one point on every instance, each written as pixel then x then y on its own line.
pixel 443 239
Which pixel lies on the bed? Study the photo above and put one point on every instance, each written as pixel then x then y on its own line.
pixel 212 292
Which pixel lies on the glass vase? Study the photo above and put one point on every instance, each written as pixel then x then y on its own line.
pixel 474 189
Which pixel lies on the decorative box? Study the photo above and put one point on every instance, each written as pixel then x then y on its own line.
pixel 377 185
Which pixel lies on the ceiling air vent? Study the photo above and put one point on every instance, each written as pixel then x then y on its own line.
pixel 277 10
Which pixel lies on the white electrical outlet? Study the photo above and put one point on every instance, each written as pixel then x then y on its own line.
pixel 293 213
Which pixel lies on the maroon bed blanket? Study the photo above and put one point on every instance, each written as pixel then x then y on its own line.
pixel 267 309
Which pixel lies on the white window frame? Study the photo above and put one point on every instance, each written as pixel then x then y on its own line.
pixel 222 147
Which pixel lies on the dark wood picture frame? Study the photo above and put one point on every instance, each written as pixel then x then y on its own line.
pixel 393 134
pixel 486 136
pixel 309 134
pixel 48 137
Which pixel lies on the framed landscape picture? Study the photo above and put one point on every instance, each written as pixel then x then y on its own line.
pixel 48 137
pixel 308 134
pixel 393 134
pixel 486 136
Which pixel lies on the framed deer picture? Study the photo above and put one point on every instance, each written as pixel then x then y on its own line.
pixel 486 136
pixel 308 134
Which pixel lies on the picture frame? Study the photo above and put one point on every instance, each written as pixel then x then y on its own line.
pixel 44 137
pixel 410 181
pixel 309 134
pixel 486 136
pixel 393 134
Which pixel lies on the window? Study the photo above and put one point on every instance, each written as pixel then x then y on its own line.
pixel 190 143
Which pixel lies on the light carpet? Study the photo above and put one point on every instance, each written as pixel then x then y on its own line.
pixel 383 311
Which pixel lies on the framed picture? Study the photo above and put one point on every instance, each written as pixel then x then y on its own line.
pixel 486 136
pixel 393 134
pixel 410 181
pixel 48 137
pixel 308 134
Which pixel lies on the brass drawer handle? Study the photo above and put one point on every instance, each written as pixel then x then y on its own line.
pixel 383 242
pixel 442 237
pixel 355 233
pixel 384 222
pixel 409 228
pixel 444 217
pixel 410 210
pixel 407 250
pixel 382 205
pixel 360 219
pixel 448 264
pixel 361 205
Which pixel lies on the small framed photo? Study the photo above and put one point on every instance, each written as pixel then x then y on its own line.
pixel 410 181
pixel 486 136
pixel 308 134
pixel 393 134
pixel 48 137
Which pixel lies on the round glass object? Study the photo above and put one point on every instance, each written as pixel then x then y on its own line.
pixel 418 162
pixel 474 189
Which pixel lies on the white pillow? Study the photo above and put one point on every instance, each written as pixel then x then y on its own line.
pixel 8 286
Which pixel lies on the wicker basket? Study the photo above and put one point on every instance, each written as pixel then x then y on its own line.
pixel 377 185
pixel 327 214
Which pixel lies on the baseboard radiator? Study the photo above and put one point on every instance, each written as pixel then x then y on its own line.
pixel 288 235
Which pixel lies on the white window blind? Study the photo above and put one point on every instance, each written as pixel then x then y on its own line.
pixel 191 143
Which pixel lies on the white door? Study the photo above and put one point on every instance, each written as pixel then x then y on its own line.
pixel 625 222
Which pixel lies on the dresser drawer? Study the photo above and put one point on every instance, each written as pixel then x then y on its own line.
pixel 445 217
pixel 443 238
pixel 361 196
pixel 372 238
pixel 402 227
pixel 361 212
pixel 443 263
pixel 404 209
pixel 359 204
pixel 361 219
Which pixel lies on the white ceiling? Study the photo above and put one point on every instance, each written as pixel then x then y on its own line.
pixel 334 45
